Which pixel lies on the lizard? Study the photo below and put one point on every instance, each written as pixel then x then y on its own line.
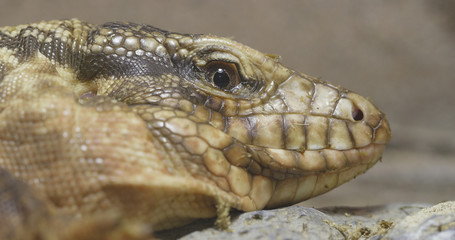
pixel 165 128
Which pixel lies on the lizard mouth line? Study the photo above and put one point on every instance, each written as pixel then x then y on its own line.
pixel 281 163
pixel 364 155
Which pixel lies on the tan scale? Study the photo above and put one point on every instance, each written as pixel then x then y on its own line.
pixel 126 123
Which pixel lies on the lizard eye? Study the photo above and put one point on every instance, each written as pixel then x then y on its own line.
pixel 224 75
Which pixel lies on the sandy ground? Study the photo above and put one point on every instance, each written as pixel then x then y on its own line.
pixel 399 53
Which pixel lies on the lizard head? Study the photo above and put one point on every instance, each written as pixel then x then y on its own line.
pixel 304 135
pixel 268 134
pixel 170 127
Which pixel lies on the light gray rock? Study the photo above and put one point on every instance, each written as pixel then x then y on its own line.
pixel 393 221
pixel 436 222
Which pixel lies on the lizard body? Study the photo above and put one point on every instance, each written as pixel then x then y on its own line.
pixel 164 127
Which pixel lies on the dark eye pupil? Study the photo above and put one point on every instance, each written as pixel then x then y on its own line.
pixel 222 75
pixel 221 78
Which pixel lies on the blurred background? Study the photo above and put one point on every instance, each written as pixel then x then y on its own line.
pixel 399 53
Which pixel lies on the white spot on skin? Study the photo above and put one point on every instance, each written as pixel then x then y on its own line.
pixel 139 52
pixel 148 44
pixel 100 40
pixel 186 41
pixel 120 51
pixel 131 43
pixel 183 53
pixel 96 48
pixel 171 44
pixel 117 40
pixel 159 37
pixel 160 51
pixel 108 50
pixel 106 31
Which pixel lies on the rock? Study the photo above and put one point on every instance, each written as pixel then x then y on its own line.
pixel 393 221
pixel 436 222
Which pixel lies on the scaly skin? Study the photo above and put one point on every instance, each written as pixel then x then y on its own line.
pixel 165 127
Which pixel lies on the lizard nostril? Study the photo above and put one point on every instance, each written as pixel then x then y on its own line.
pixel 357 114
